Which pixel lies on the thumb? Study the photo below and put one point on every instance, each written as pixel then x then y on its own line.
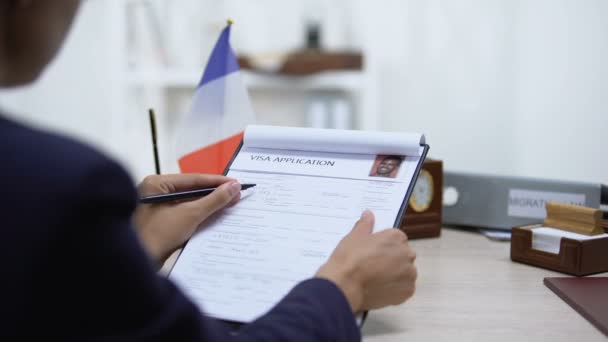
pixel 218 199
pixel 365 225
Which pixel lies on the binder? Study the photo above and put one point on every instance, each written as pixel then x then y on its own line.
pixel 503 202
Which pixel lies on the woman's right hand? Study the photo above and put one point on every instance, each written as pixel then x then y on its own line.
pixel 373 270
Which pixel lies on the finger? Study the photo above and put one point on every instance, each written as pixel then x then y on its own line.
pixel 411 255
pixel 365 225
pixel 235 199
pixel 405 272
pixel 402 292
pixel 218 199
pixel 183 182
pixel 150 184
pixel 392 235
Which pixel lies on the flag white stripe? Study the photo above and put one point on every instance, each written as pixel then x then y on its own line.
pixel 220 109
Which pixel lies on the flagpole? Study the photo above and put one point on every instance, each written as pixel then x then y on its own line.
pixel 154 141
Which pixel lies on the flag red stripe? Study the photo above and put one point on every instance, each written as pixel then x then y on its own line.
pixel 211 159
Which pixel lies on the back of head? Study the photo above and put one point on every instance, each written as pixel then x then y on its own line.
pixel 31 34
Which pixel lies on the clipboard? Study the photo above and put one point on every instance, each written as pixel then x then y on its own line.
pixel 234 326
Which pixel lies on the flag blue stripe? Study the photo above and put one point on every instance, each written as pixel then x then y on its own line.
pixel 222 61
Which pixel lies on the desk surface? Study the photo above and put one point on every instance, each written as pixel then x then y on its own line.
pixel 468 289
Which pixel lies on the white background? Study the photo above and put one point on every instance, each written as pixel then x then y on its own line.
pixel 521 84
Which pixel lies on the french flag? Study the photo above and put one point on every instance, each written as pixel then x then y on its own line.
pixel 212 130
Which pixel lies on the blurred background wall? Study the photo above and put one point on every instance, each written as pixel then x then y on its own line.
pixel 498 86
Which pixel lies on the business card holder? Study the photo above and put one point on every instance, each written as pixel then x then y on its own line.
pixel 571 240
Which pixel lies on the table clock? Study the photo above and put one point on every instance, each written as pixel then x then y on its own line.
pixel 423 214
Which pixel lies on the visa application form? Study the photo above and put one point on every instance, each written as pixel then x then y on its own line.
pixel 243 260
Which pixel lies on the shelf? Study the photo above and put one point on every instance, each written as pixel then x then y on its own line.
pixel 183 78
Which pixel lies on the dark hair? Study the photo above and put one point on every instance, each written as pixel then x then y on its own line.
pixel 397 158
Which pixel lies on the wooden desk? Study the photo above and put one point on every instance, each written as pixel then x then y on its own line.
pixel 468 289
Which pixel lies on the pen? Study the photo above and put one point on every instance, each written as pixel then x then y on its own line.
pixel 183 195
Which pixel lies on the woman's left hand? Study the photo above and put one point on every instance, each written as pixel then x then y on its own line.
pixel 164 227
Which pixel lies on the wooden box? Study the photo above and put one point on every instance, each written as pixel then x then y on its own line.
pixel 578 254
pixel 575 257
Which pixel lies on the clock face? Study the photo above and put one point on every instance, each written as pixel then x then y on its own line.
pixel 422 196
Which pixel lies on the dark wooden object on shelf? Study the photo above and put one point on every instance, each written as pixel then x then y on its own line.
pixel 308 62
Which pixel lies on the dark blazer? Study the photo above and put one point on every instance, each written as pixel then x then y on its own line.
pixel 73 269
